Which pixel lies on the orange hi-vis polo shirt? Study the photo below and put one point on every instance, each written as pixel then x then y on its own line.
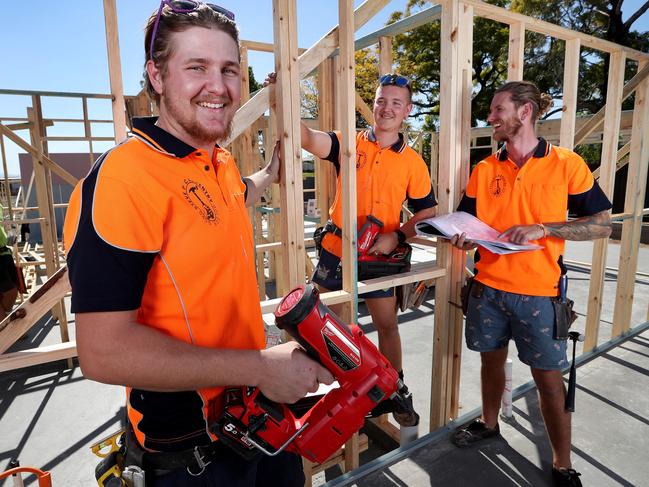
pixel 551 183
pixel 385 178
pixel 159 227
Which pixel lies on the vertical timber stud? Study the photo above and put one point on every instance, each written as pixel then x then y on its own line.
pixel 606 180
pixel 516 53
pixel 346 95
pixel 324 171
pixel 288 122
pixel 451 259
pixel 385 55
pixel 46 212
pixel 570 82
pixel 115 70
pixel 634 203
pixel 465 78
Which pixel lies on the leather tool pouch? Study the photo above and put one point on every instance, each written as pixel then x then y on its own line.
pixel 318 235
pixel 564 317
pixel 471 288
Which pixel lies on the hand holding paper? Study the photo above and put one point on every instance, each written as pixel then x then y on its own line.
pixel 459 222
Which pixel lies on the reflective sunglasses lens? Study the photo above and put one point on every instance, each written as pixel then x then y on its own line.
pixel 394 79
pixel 401 81
pixel 222 10
pixel 183 6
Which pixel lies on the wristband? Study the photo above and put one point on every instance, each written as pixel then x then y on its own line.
pixel 545 230
pixel 400 236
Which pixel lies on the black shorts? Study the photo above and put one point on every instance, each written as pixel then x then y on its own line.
pixel 283 470
pixel 8 273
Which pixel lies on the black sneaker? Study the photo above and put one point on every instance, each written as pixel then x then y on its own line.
pixel 565 477
pixel 472 433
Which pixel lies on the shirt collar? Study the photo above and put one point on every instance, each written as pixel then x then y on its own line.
pixel 542 150
pixel 397 147
pixel 145 129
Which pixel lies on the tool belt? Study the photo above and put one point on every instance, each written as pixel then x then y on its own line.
pixel 194 460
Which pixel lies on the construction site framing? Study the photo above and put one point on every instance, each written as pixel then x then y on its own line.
pixel 332 57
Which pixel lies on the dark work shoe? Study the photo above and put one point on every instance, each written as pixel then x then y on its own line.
pixel 472 433
pixel 565 477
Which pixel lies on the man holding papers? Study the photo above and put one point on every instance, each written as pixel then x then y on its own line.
pixel 525 191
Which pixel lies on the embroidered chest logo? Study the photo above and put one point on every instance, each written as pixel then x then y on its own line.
pixel 361 159
pixel 498 186
pixel 197 196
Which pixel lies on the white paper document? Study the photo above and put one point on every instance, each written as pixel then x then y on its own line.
pixel 446 226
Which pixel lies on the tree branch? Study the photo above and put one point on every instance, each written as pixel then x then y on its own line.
pixel 636 15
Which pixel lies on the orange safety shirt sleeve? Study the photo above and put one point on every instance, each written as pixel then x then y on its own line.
pixel 111 237
pixel 585 196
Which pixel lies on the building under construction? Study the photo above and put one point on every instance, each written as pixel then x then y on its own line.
pixel 50 415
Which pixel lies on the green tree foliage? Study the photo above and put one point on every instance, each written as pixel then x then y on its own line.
pixel 252 82
pixel 417 52
pixel 367 75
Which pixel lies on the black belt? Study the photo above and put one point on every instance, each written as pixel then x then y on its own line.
pixel 194 460
pixel 330 227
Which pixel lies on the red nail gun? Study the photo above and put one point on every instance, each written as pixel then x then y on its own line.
pixel 251 423
pixel 380 265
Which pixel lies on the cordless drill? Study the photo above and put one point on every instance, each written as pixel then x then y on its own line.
pixel 251 422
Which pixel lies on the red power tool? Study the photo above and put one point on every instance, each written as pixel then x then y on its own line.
pixel 370 265
pixel 251 422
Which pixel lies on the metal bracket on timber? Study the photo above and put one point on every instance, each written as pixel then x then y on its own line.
pixel 20 320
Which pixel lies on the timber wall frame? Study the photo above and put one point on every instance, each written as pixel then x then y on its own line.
pixel 337 103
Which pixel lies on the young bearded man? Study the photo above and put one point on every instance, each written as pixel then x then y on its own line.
pixel 161 260
pixel 526 190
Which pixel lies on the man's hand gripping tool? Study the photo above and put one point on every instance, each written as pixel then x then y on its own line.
pixel 251 423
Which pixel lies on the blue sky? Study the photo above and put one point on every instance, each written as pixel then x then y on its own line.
pixel 59 45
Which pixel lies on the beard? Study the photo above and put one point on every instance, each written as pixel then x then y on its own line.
pixel 508 130
pixel 206 134
pixel 192 126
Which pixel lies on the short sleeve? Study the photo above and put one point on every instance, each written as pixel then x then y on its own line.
pixel 113 238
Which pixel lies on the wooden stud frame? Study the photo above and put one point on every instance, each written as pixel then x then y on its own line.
pixel 606 181
pixel 633 204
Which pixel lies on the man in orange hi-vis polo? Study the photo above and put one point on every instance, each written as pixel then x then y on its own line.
pixel 525 190
pixel 388 173
pixel 161 262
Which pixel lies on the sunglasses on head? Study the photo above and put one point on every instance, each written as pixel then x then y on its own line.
pixel 394 80
pixel 184 7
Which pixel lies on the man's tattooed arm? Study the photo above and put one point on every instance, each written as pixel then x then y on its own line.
pixel 585 228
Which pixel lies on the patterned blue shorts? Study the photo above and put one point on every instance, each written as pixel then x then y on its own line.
pixel 328 275
pixel 496 316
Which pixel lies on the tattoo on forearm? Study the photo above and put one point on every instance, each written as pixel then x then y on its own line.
pixel 586 228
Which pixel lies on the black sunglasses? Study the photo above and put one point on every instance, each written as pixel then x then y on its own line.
pixel 184 7
pixel 394 80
